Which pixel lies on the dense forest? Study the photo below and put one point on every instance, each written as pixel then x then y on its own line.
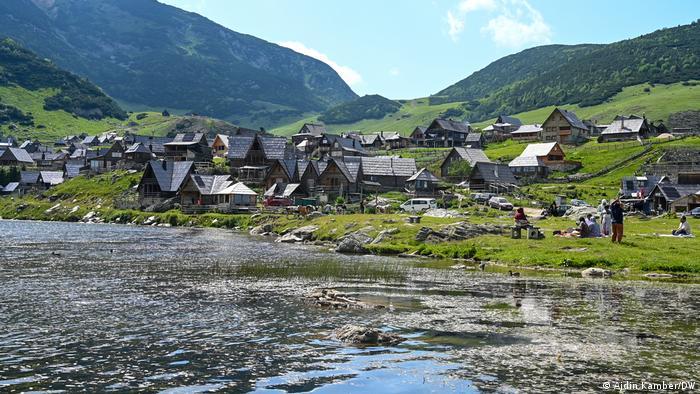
pixel 371 106
pixel 21 67
pixel 580 74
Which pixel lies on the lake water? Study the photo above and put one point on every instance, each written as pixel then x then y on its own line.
pixel 126 308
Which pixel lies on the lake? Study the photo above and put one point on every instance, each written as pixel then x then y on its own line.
pixel 127 308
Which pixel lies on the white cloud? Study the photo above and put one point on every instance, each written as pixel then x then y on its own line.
pixel 516 23
pixel 394 72
pixel 455 24
pixel 350 76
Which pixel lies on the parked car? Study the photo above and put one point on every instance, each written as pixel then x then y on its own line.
pixel 277 202
pixel 695 212
pixel 418 205
pixel 500 203
pixel 482 197
pixel 579 203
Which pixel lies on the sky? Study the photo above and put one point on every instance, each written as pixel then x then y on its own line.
pixel 415 48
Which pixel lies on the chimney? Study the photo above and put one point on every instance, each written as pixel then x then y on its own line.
pixel 622 121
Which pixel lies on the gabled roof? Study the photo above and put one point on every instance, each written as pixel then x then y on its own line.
pixel 10 187
pixel 239 188
pixel 495 173
pixel 301 167
pixel 49 156
pixel 672 192
pixel 572 118
pixel 621 124
pixel 16 154
pixel 73 170
pixel 315 129
pixel 170 174
pixel 51 177
pixel 542 149
pixel 471 155
pixel 187 139
pixel 138 148
pixel 391 136
pixel 290 189
pixel 91 139
pixel 423 175
pixel 28 177
pixel 451 125
pixel 509 119
pixel 346 144
pixel 368 139
pixel 388 166
pixel 353 167
pixel 527 161
pixel 154 144
pixel 239 146
pixel 528 128
pixel 223 138
pixel 210 184
pixel 473 137
pixel 273 147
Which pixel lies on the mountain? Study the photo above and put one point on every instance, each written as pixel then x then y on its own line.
pixel 152 55
pixel 577 74
pixel 20 68
pixel 371 106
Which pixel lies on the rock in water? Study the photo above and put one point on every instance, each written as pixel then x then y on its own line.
pixel 335 299
pixel 595 272
pixel 300 234
pixel 353 243
pixel 261 229
pixel 366 336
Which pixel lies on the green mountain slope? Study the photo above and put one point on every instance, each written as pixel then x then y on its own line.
pixel 583 74
pixel 153 55
pixel 657 103
pixel 366 107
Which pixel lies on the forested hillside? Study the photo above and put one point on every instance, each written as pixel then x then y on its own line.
pixel 366 107
pixel 582 74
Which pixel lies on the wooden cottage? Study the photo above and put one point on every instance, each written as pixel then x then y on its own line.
pixel 250 158
pixel 492 177
pixel 564 127
pixel 538 160
pixel 336 180
pixel 108 159
pixel 309 132
pixel 472 156
pixel 162 180
pixel 282 172
pixel 389 172
pixel 625 128
pixel 15 157
pixel 447 133
pixel 188 147
pixel 138 155
pixel 417 136
pixel 527 132
pixel 674 197
pixel 219 146
pixel 422 184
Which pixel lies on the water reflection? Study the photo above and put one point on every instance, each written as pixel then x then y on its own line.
pixel 125 308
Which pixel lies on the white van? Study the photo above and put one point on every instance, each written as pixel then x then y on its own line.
pixel 419 205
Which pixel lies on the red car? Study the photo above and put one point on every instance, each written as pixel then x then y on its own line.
pixel 277 202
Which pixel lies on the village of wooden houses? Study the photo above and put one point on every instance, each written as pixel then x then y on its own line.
pixel 252 169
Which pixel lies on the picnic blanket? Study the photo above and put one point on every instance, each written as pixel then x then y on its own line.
pixel 677 236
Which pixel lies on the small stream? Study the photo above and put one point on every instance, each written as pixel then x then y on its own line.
pixel 143 309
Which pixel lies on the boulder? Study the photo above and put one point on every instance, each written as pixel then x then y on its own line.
pixel 315 214
pixel 595 272
pixel 53 208
pixel 75 209
pixel 366 336
pixel 301 234
pixel 355 242
pixel 89 216
pixel 654 275
pixel 262 229
pixel 384 235
pixel 457 232
pixel 442 213
pixel 163 206
pixel 337 300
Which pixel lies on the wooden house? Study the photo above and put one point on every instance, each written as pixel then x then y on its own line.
pixel 219 146
pixel 389 172
pixel 154 144
pixel 188 147
pixel 625 128
pixel 538 160
pixel 393 140
pixel 492 177
pixel 49 179
pixel 527 132
pixel 475 141
pixel 29 181
pixel 138 155
pixel 339 147
pixel 472 156
pixel 422 184
pixel 91 140
pixel 417 136
pixel 31 146
pixel 309 132
pixel 282 172
pixel 48 160
pixel 162 180
pixel 15 157
pixel 674 197
pixel 336 180
pixel 564 127
pixel 640 186
pixel 108 159
pixel 447 133
pixel 11 189
pixel 250 158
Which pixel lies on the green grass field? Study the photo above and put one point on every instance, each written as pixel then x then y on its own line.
pixel 658 103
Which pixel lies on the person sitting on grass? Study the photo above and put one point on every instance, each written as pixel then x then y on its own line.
pixel 521 218
pixel 593 226
pixel 683 227
pixel 584 231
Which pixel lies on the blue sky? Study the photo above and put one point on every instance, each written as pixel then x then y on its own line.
pixel 412 48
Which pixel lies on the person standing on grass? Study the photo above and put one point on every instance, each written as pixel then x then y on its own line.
pixel 617 219
pixel 606 221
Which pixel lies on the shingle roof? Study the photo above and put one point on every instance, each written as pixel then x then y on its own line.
pixel 527 161
pixel 423 175
pixel 509 119
pixel 353 167
pixel 471 155
pixel 301 167
pixel 542 149
pixel 673 192
pixel 171 177
pixel 52 177
pixel 452 125
pixel 90 140
pixel 155 144
pixel 388 166
pixel 137 148
pixel 17 154
pixel 631 125
pixel 573 119
pixel 273 147
pixel 473 137
pixel 528 128
pixel 496 173
pixel 342 168
pixel 239 188
pixel 73 170
pixel 313 129
pixel 50 156
pixel 29 177
pixel 239 146
pixel 186 139
pixel 211 184
pixel 290 189
pixel 10 187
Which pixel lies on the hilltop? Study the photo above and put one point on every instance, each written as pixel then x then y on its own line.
pixel 366 107
pixel 150 55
